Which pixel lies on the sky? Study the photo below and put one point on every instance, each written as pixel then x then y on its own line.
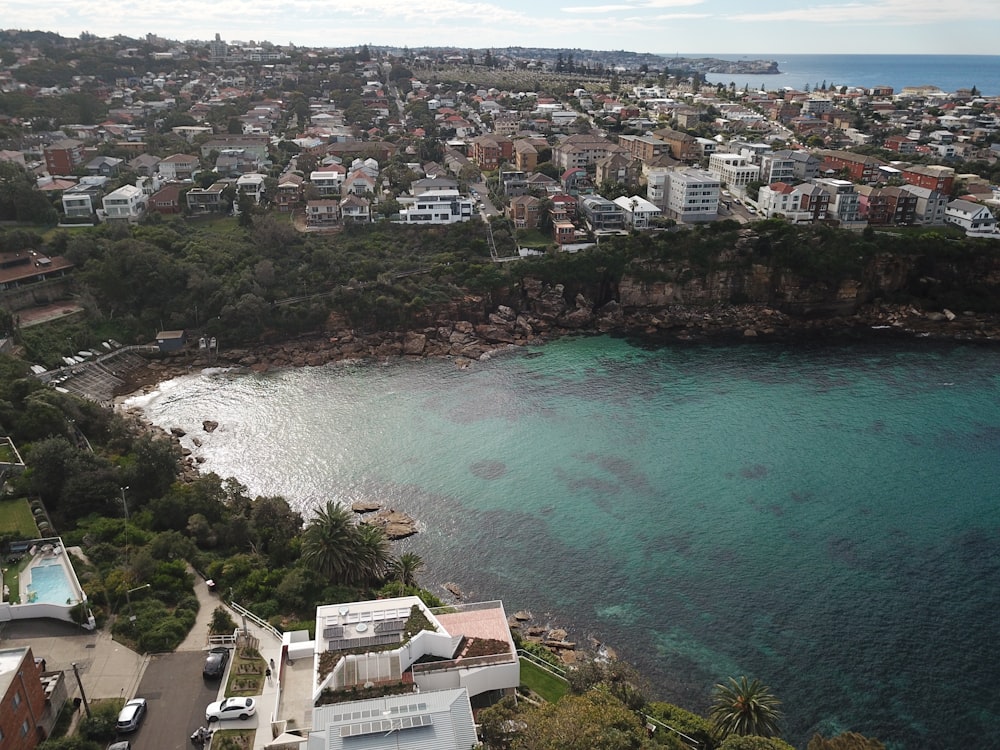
pixel 687 27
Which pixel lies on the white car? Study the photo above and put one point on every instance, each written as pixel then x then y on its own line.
pixel 230 708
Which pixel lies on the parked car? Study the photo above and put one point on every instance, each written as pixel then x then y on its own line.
pixel 123 745
pixel 131 715
pixel 230 708
pixel 215 662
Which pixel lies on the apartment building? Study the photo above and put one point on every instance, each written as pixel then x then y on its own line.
pixel 733 170
pixel 692 195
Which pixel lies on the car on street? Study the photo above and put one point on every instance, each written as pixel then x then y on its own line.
pixel 215 662
pixel 123 745
pixel 230 708
pixel 131 715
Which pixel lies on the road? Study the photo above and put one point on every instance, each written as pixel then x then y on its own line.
pixel 489 210
pixel 177 695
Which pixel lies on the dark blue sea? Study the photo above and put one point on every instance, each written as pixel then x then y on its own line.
pixel 947 72
pixel 825 518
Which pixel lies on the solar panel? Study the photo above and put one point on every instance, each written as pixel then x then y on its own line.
pixel 384 726
pixel 334 631
pixel 390 626
pixel 338 644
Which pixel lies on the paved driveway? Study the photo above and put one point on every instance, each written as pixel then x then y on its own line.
pixel 177 696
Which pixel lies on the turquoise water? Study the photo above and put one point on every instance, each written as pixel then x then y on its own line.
pixel 50 584
pixel 824 518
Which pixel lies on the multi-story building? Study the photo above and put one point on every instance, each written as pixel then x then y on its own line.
pixel 692 195
pixel 734 170
pixel 22 700
pixel 207 200
pixel 930 176
pixel 444 206
pixel 777 167
pixel 859 168
pixel 328 180
pixel 322 212
pixel 288 193
pixel 354 208
pixel 886 206
pixel 166 200
pixel 800 204
pixel 62 157
pixel 525 155
pixel 643 147
pixel 930 205
pixel 845 203
pixel 683 147
pixel 126 203
pixel 581 151
pixel 81 201
pixel 621 169
pixel 178 167
pixel 252 185
pixel 488 151
pixel 601 214
pixel 524 211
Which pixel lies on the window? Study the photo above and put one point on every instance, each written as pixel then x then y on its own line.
pixel 17 699
pixel 24 728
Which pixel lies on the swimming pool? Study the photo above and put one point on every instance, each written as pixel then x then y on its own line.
pixel 50 584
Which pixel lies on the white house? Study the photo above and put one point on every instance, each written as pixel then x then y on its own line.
pixel 441 206
pixel 251 184
pixel 329 179
pixel 639 212
pixel 127 202
pixel 733 169
pixel 975 218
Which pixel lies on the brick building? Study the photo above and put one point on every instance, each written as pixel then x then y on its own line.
pixel 22 705
pixel 62 157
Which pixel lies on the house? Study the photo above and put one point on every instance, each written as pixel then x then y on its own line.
pixel 322 212
pixel 355 208
pixel 81 201
pixel 930 205
pixel 256 145
pixel 930 176
pixel 539 183
pixel 639 212
pixel 524 211
pixel 288 193
pixel 252 185
pixel 564 207
pixel 208 200
pixel 417 187
pixel 563 232
pixel 328 180
pixel 800 204
pixel 601 214
pixel 178 167
pixel 974 218
pixel 23 708
pixel 166 200
pixel 144 165
pixel 106 166
pixel 359 183
pixel 63 156
pixel 126 203
pixel 410 644
pixel 443 206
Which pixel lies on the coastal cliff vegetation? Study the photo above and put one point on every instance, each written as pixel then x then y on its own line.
pixel 267 283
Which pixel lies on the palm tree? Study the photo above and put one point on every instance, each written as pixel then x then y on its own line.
pixel 328 543
pixel 745 707
pixel 406 567
pixel 371 555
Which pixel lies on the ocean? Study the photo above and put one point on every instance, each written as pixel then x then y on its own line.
pixel 947 72
pixel 825 518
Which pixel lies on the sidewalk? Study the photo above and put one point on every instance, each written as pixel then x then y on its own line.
pixel 269 647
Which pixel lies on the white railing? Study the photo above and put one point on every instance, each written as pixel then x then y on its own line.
pixel 259 622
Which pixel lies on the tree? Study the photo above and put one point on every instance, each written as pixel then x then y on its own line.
pixel 582 722
pixel 327 542
pixel 371 560
pixel 745 707
pixel 754 742
pixel 406 567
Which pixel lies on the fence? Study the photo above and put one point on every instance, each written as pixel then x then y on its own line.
pixel 246 614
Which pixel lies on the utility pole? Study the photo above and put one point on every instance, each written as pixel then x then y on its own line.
pixel 83 695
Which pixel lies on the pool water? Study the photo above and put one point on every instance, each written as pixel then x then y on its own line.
pixel 50 585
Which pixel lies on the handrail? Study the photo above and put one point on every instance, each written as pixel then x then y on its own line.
pixel 542 664
pixel 260 622
pixel 462 663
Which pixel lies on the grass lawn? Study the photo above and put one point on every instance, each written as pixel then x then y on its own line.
pixel 533 238
pixel 15 517
pixel 545 684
